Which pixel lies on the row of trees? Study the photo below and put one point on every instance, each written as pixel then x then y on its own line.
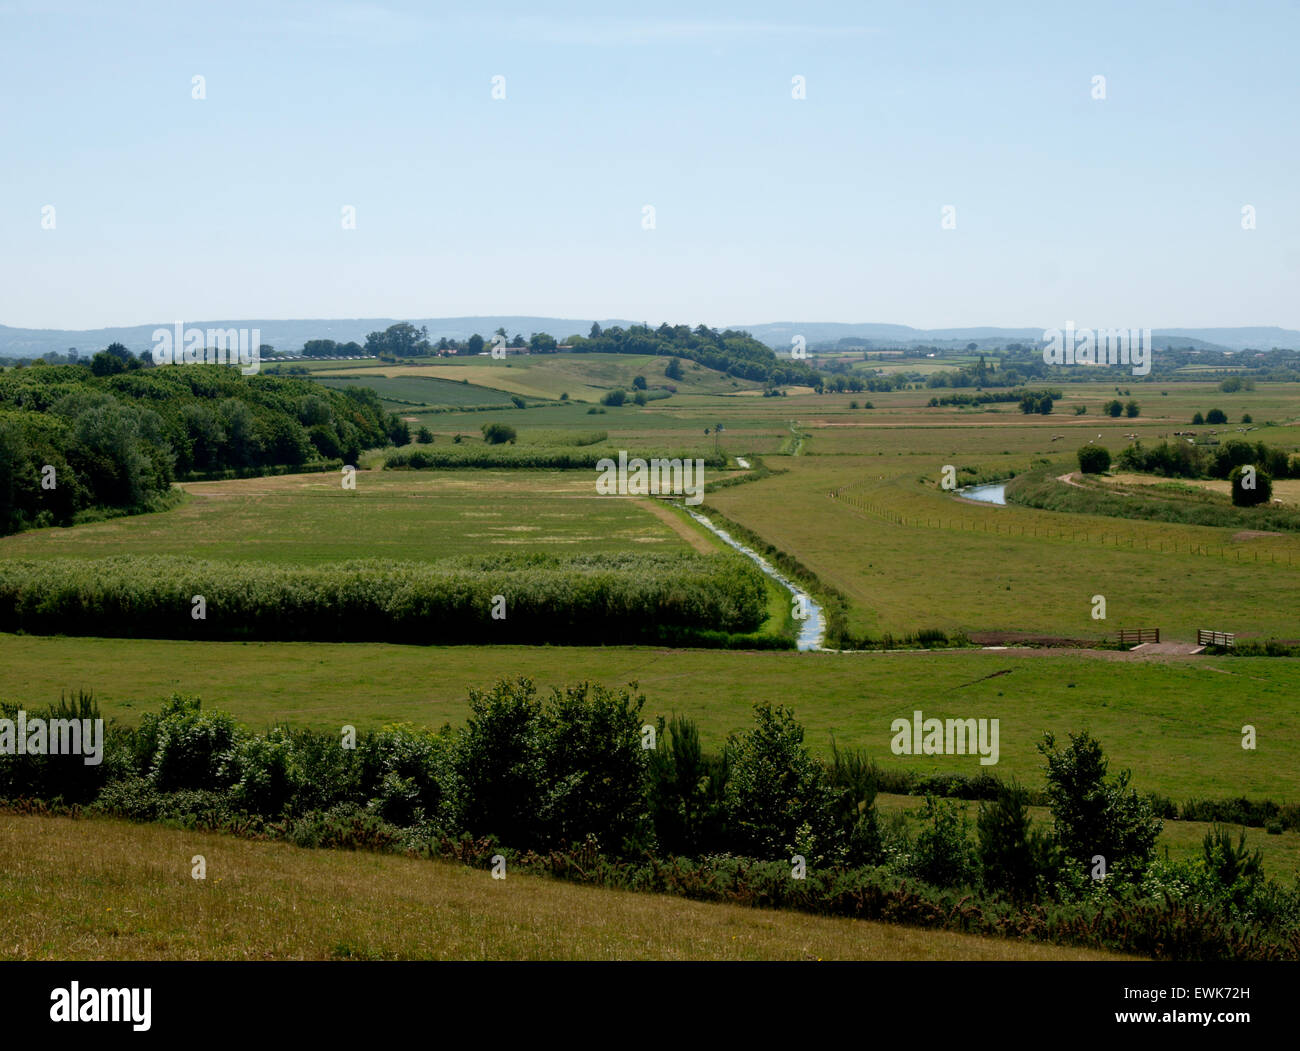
pixel 71 441
pixel 582 765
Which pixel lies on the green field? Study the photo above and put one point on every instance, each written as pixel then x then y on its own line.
pixel 401 393
pixel 311 518
pixel 1176 724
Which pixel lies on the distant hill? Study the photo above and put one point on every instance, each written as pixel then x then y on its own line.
pixel 778 336
pixel 283 335
pixel 290 335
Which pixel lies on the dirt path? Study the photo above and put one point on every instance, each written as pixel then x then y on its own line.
pixel 682 528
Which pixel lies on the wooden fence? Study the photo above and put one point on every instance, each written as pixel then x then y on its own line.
pixel 1215 638
pixel 1137 636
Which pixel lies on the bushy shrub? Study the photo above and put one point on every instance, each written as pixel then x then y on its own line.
pixel 1095 816
pixel 186 747
pixel 498 433
pixel 854 780
pixel 265 772
pixel 687 789
pixel 778 802
pixel 540 774
pixel 1236 872
pixel 1216 416
pixel 1094 459
pixel 1014 858
pixel 941 854
pixel 1250 486
pixel 595 769
pixel 499 763
pixel 65 776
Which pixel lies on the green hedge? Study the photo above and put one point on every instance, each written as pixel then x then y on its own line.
pixel 580 600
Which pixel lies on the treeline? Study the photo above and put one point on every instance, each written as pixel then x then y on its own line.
pixel 1181 460
pixel 71 441
pixel 580 784
pixel 527 599
pixel 549 457
pixel 1189 506
pixel 1033 398
pixel 735 353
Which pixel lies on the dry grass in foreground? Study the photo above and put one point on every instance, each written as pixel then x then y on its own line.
pixel 104 889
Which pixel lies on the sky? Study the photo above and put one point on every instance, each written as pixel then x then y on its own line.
pixel 1122 210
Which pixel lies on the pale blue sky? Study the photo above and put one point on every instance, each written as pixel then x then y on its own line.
pixel 1125 211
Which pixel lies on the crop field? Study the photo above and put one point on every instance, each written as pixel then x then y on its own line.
pixel 584 377
pixel 405 392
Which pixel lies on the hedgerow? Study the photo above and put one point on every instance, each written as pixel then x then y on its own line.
pixel 579 600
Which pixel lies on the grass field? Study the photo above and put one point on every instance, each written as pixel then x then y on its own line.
pixel 125 892
pixel 311 518
pixel 1177 725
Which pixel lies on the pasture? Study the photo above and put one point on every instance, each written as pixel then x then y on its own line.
pixel 125 893
pixel 1176 723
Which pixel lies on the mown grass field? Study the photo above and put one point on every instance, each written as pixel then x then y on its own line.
pixel 311 518
pixel 125 892
pixel 1176 724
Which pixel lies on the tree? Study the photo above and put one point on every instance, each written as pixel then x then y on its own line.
pixel 542 343
pixel 424 436
pixel 638 383
pixel 400 340
pixel 615 397
pixel 1114 408
pixel 595 331
pixel 1251 486
pixel 1094 459
pixel 474 345
pixel 1198 420
pixel 106 364
pixel 1013 857
pixel 1216 416
pixel 674 369
pixel 1094 816
pixel 498 433
pixel 1131 409
pixel 777 799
